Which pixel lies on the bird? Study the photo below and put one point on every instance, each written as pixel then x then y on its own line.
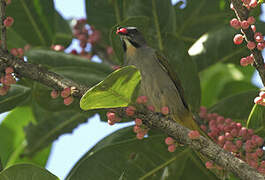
pixel 159 83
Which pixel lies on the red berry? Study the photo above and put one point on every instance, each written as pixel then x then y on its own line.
pixel 203 127
pixel 239 143
pixel 165 110
pixel 243 61
pixel 66 92
pixel 9 70
pixel 67 101
pixel 54 94
pixel 74 51
pixel 244 24
pixel 209 165
pixel 194 134
pixel 169 141
pixel 130 110
pixel 8 21
pixel 251 45
pixel 138 122
pixel 20 52
pixel 221 140
pixel 238 39
pixel 259 152
pixel 14 52
pixel 235 23
pixel 251 20
pixel 172 148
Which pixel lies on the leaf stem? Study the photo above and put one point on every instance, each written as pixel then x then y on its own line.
pixel 117 12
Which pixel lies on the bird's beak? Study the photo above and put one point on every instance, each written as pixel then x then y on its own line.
pixel 122 31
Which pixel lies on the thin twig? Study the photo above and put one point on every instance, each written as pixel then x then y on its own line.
pixel 3 28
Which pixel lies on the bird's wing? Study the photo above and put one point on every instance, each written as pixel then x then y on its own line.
pixel 173 76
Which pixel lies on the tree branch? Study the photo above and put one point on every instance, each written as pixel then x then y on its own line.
pixel 242 13
pixel 205 146
pixel 3 28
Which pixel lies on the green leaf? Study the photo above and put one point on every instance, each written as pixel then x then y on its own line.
pixel 15 96
pixel 35 24
pixel 122 155
pixel 215 80
pixel 237 106
pixel 141 22
pixel 52 59
pixel 256 120
pixel 13 139
pixel 185 68
pixel 26 172
pixel 50 125
pixel 216 46
pixel 117 90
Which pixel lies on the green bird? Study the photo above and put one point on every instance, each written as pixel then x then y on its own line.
pixel 159 82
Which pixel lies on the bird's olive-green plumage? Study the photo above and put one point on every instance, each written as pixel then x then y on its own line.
pixel 159 83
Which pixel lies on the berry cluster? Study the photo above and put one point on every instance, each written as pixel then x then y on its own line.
pixel 231 136
pixel 66 94
pixel 260 99
pixel 6 79
pixel 171 144
pixel 246 24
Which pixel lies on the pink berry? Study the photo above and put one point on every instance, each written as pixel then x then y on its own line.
pixel 239 143
pixel 137 129
pixel 14 52
pixel 244 24
pixel 250 59
pixel 138 122
pixel 259 152
pixel 140 135
pixel 253 27
pixel 221 140
pixel 169 141
pixel 8 21
pixel 172 148
pixel 238 39
pixel 258 100
pixel 67 101
pixel 209 165
pixel 194 134
pixel 203 127
pixel 243 61
pixel 111 122
pixel 54 94
pixel 130 110
pixel 260 46
pixel 234 132
pixel 262 94
pixel 235 23
pixel 251 20
pixel 258 37
pixel 109 50
pixel 165 110
pixel 246 2
pixel 66 92
pixel 9 70
pixel 8 2
pixel 251 45
pixel 228 136
pixel 141 100
pixel 151 108
pixel 111 116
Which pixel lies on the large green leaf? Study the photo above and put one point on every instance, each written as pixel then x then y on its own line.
pixel 26 172
pixel 121 154
pixel 15 96
pixel 237 106
pixel 217 82
pixel 50 125
pixel 117 90
pixel 185 68
pixel 35 24
pixel 13 139
pixel 256 120
pixel 52 59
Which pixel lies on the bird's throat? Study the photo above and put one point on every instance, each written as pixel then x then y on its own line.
pixel 130 49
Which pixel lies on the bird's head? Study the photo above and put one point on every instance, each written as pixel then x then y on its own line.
pixel 130 37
